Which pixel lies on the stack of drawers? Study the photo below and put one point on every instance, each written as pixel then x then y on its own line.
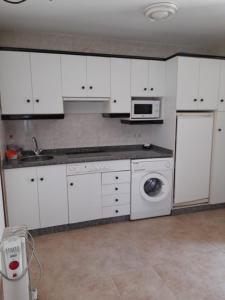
pixel 115 194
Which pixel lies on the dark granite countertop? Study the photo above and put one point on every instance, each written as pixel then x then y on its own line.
pixel 90 154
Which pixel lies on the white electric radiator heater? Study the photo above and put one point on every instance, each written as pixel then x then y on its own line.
pixel 17 250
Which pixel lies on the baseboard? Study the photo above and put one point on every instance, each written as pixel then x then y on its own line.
pixel 196 208
pixel 66 227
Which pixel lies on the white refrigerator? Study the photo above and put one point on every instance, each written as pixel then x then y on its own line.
pixel 193 158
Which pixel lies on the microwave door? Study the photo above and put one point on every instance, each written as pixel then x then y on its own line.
pixel 142 110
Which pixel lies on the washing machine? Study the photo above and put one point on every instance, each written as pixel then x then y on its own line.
pixel 151 188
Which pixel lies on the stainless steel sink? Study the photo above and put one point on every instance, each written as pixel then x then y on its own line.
pixel 34 158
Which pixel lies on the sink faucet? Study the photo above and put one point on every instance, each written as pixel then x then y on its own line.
pixel 36 150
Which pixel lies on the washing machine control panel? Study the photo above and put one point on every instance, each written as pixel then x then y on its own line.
pixel 152 164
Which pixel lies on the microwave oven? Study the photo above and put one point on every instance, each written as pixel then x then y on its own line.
pixel 145 109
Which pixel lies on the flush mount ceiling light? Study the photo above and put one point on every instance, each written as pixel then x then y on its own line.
pixel 160 11
pixel 14 1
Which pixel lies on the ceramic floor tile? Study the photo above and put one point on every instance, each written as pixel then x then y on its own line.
pixel 142 285
pixel 179 257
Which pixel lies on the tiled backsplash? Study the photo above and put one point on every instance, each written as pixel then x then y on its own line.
pixel 78 130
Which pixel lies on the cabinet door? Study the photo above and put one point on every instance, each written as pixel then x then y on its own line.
pixel 46 83
pixel 98 77
pixel 52 191
pixel 84 194
pixel 139 77
pixel 221 103
pixel 217 194
pixel 208 84
pixel 15 83
pixel 22 197
pixel 74 75
pixel 193 157
pixel 187 83
pixel 157 75
pixel 120 86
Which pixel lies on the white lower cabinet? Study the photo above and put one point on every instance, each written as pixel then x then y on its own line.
pixel 47 196
pixel 52 192
pixel 217 191
pixel 22 197
pixel 37 197
pixel 116 189
pixel 115 194
pixel 111 200
pixel 115 211
pixel 84 194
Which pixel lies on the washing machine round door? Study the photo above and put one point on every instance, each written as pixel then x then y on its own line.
pixel 154 187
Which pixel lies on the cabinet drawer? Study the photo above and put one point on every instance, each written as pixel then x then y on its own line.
pixel 114 211
pixel 116 189
pixel 112 200
pixel 116 177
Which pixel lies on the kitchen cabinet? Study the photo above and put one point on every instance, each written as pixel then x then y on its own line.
pixel 120 101
pixel 115 194
pixel 197 83
pixel 217 191
pixel 98 76
pixel 193 157
pixel 37 197
pixel 73 75
pixel 84 77
pixel 221 99
pixel 147 78
pixel 15 83
pixel 30 83
pixel 22 197
pixel 84 195
pixel 46 83
pixel 52 195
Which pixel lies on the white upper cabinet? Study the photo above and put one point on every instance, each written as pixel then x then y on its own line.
pixel 147 78
pixel 74 75
pixel 22 197
pixel 187 83
pixel 52 192
pixel 120 86
pixel 217 193
pixel 157 74
pixel 85 76
pixel 46 83
pixel 30 83
pixel 15 83
pixel 98 76
pixel 139 78
pixel 221 103
pixel 208 83
pixel 197 83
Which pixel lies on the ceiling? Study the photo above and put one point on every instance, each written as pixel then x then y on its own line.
pixel 198 22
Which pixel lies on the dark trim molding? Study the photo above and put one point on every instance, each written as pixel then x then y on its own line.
pixel 195 55
pixel 116 115
pixel 109 55
pixel 32 117
pixel 78 53
pixel 141 122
